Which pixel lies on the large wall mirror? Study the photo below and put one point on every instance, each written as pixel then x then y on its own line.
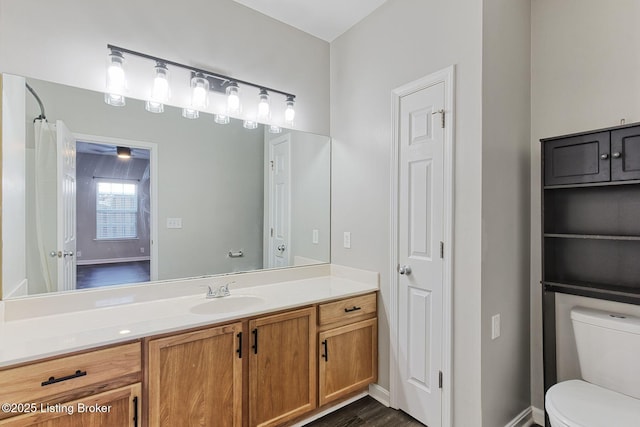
pixel 119 195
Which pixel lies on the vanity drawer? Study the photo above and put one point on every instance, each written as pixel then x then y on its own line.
pixel 71 376
pixel 347 310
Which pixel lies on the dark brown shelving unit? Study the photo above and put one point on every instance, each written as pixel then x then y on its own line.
pixel 590 223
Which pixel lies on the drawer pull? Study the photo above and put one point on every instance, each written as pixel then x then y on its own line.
pixel 53 380
pixel 354 308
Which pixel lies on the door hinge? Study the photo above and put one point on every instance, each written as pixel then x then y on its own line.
pixel 439 379
pixel 271 232
pixel 442 117
pixel 442 250
pixel 271 163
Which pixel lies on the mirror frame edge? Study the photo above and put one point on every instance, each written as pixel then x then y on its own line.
pixel 1 183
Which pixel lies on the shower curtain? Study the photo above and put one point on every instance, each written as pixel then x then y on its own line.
pixel 46 206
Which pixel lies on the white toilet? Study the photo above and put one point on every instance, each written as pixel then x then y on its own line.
pixel 609 353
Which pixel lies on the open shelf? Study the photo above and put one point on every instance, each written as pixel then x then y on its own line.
pixel 592 184
pixel 590 236
pixel 595 290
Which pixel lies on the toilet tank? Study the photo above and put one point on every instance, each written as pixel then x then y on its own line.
pixel 608 349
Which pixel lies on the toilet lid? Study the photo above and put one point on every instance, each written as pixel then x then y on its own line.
pixel 581 404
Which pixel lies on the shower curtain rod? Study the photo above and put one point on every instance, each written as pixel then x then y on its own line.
pixel 42 115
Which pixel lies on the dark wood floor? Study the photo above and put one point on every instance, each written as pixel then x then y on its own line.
pixel 96 275
pixel 366 412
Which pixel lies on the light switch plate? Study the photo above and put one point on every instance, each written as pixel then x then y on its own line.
pixel 347 240
pixel 315 237
pixel 495 326
pixel 174 222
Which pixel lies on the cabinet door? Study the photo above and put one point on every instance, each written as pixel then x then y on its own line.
pixel 348 359
pixel 625 154
pixel 577 160
pixel 119 407
pixel 196 378
pixel 282 367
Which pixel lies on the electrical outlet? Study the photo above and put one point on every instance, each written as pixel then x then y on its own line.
pixel 315 237
pixel 495 326
pixel 347 240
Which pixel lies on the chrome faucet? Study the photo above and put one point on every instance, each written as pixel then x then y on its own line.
pixel 220 291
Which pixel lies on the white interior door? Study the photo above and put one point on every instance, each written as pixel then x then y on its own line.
pixel 420 233
pixel 66 227
pixel 280 202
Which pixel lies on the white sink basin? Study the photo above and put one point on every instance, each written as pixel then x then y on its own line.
pixel 227 304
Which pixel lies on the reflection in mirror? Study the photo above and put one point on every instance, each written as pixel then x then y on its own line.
pixel 192 197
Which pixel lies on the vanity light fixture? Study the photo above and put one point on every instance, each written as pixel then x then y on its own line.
pixel 233 98
pixel 116 81
pixel 190 113
pixel 123 152
pixel 159 90
pixel 290 112
pixel 263 105
pixel 221 119
pixel 249 124
pixel 201 83
pixel 275 129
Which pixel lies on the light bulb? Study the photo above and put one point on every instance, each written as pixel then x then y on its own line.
pixel 290 112
pixel 275 129
pixel 263 105
pixel 160 89
pixel 233 97
pixel 116 81
pixel 250 124
pixel 221 119
pixel 199 92
pixel 190 113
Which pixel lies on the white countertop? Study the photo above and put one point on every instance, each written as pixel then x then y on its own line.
pixel 31 337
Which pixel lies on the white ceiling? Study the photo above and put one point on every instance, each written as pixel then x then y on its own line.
pixel 325 19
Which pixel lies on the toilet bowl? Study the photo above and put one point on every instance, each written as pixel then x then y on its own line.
pixel 608 346
pixel 577 403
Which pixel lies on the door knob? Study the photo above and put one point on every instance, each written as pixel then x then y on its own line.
pixel 54 254
pixel 66 254
pixel 405 269
pixel 281 248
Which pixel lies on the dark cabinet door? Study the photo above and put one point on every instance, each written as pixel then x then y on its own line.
pixel 578 159
pixel 625 154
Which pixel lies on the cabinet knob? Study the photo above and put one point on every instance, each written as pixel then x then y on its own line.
pixel 604 156
pixel 616 155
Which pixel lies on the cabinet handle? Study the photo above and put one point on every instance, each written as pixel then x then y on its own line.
pixel 604 156
pixel 255 341
pixel 616 155
pixel 326 351
pixel 135 411
pixel 239 350
pixel 349 310
pixel 53 380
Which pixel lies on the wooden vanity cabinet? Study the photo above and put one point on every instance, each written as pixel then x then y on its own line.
pixel 99 387
pixel 282 367
pixel 347 347
pixel 195 378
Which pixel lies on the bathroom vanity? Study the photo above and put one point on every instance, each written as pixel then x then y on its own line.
pixel 267 355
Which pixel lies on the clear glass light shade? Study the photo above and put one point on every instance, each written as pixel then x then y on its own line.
pixel 190 113
pixel 221 119
pixel 233 98
pixel 290 112
pixel 250 124
pixel 199 92
pixel 263 105
pixel 154 107
pixel 116 81
pixel 275 129
pixel 160 90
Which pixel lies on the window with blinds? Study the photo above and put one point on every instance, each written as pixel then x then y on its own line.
pixel 116 210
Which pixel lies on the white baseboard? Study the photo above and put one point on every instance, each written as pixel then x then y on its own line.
pixel 523 419
pixel 538 415
pixel 112 260
pixel 329 410
pixel 380 394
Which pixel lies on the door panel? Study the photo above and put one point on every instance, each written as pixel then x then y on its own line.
pixel 421 210
pixel 625 154
pixel 280 195
pixel 66 144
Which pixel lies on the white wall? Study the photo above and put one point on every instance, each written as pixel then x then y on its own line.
pixel 400 42
pixel 65 41
pixel 14 269
pixel 505 208
pixel 585 75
